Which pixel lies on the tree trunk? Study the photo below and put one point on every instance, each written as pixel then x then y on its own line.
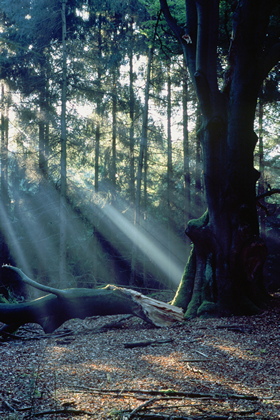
pixel 52 310
pixel 98 106
pixel 141 177
pixel 43 128
pixel 144 139
pixel 63 169
pixel 186 148
pixel 261 183
pixel 113 169
pixel 5 200
pixel 131 120
pixel 198 201
pixel 169 145
pixel 224 272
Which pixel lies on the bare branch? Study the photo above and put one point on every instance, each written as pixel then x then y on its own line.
pixel 33 283
pixel 271 59
pixel 268 193
pixel 178 31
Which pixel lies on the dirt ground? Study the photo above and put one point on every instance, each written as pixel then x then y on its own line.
pixel 121 368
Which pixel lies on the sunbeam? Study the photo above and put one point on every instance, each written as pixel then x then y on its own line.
pixel 146 244
pixel 11 238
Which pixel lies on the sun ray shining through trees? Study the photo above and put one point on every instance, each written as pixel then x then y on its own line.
pixel 129 132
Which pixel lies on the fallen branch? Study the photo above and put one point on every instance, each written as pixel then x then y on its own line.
pixel 235 328
pixel 66 411
pixel 52 310
pixel 162 416
pixel 168 393
pixel 142 406
pixel 146 343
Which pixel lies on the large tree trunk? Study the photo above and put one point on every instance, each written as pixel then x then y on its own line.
pixel 224 272
pixel 52 310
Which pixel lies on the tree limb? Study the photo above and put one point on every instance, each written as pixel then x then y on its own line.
pixel 268 193
pixel 271 59
pixel 34 283
pixel 178 31
pixel 52 310
pixel 169 393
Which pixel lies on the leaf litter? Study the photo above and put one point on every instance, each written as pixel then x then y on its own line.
pixel 227 368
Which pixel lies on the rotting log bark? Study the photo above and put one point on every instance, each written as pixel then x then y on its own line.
pixel 52 310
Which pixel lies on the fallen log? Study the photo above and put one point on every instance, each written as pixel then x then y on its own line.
pixel 58 306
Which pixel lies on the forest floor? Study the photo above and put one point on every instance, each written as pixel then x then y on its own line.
pixel 226 368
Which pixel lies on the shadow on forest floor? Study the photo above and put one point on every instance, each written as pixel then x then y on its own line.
pixel 224 368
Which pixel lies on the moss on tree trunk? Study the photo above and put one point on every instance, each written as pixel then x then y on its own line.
pixel 213 284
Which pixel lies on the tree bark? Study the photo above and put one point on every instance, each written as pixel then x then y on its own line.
pixel 63 155
pixel 144 138
pixel 224 272
pixel 186 148
pixel 113 169
pixel 131 118
pixel 52 310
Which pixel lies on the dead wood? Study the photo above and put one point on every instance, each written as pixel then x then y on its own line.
pixel 162 416
pixel 146 343
pixel 52 310
pixel 168 393
pixel 65 411
pixel 142 406
pixel 236 328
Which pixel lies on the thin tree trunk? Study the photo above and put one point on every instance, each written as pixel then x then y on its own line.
pixel 261 181
pixel 43 141
pixel 131 122
pixel 113 171
pixel 98 109
pixel 169 144
pixel 131 152
pixel 169 159
pixel 144 138
pixel 4 147
pixel 5 201
pixel 186 151
pixel 63 157
pixel 140 196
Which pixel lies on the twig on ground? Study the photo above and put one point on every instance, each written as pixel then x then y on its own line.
pixel 9 406
pixel 146 343
pixel 236 328
pixel 169 393
pixel 142 406
pixel 163 416
pixel 72 412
